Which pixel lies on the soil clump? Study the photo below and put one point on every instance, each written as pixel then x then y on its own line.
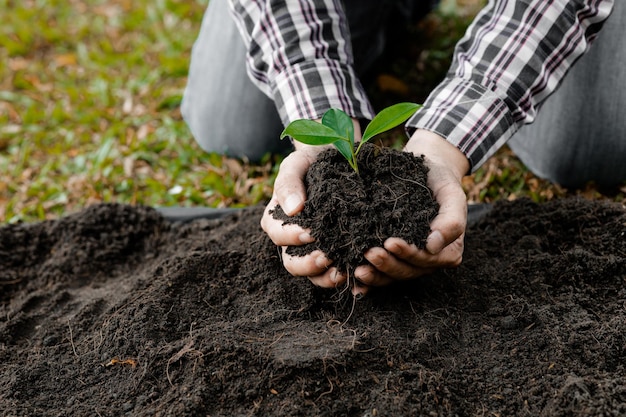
pixel 116 311
pixel 349 212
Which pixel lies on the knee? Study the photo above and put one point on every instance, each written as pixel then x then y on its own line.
pixel 230 136
pixel 199 122
pixel 578 170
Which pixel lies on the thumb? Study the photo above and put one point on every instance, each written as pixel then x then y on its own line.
pixel 289 190
pixel 450 222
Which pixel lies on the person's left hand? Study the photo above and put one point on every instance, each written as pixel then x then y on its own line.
pixel 398 260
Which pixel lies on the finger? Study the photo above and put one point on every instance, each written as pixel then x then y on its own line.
pixel 369 276
pixel 446 229
pixel 330 278
pixel 450 256
pixel 393 267
pixel 359 290
pixel 315 266
pixel 451 220
pixel 310 265
pixel 289 191
pixel 283 234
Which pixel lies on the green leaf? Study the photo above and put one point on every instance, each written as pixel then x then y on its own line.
pixel 345 149
pixel 311 132
pixel 340 122
pixel 389 118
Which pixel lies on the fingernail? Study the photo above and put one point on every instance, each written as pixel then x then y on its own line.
pixel 334 277
pixel 362 273
pixel 291 204
pixel 321 261
pixel 305 237
pixel 376 261
pixel 435 242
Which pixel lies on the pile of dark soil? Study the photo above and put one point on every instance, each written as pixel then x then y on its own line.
pixel 348 212
pixel 116 311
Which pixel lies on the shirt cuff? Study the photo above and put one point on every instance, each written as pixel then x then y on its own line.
pixel 307 89
pixel 468 115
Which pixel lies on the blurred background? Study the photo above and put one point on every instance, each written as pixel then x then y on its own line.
pixel 89 110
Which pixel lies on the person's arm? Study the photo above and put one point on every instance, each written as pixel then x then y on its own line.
pixel 299 54
pixel 512 57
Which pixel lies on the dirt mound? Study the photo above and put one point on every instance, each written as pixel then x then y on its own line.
pixel 116 311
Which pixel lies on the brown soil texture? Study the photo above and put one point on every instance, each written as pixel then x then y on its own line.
pixel 115 311
pixel 348 212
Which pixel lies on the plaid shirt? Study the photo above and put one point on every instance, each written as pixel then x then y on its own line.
pixel 512 57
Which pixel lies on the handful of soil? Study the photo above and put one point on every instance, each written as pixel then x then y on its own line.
pixel 349 213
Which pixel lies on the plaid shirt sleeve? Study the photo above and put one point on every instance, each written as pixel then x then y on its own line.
pixel 299 54
pixel 512 57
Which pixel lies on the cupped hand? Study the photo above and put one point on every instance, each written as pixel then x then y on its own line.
pixel 398 260
pixel 290 194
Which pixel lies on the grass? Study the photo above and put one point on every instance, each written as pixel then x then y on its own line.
pixel 89 98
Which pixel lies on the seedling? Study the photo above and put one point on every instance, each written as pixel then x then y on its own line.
pixel 337 129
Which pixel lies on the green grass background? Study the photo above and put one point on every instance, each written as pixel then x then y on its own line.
pixel 89 97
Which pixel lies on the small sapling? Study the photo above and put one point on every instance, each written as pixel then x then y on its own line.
pixel 337 129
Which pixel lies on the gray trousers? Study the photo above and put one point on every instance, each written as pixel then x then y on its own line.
pixel 579 135
pixel 580 132
pixel 225 112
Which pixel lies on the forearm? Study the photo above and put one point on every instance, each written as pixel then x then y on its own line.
pixel 299 55
pixel 513 56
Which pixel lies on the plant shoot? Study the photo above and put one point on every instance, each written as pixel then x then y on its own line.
pixel 337 129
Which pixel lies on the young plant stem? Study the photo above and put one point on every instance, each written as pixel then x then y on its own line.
pixel 353 163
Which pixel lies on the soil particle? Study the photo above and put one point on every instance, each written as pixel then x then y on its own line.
pixel 115 311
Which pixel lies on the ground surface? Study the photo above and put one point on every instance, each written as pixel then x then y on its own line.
pixel 114 311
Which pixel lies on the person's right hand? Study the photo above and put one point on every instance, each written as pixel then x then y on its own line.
pixel 290 194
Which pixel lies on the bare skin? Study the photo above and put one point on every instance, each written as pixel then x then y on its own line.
pixel 397 260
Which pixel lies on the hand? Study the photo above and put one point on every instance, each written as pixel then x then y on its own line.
pixel 444 246
pixel 290 194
